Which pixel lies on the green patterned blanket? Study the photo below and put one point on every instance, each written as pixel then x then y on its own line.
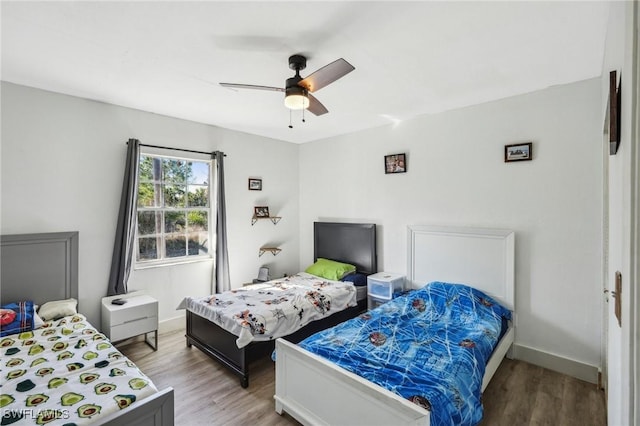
pixel 65 373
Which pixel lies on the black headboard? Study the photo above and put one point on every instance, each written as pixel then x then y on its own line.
pixel 352 243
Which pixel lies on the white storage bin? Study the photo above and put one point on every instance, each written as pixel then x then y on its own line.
pixel 374 302
pixel 381 288
pixel 383 284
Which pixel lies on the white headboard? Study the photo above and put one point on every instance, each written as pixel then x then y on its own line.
pixel 480 258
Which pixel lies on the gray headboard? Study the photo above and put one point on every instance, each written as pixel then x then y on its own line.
pixel 39 267
pixel 352 243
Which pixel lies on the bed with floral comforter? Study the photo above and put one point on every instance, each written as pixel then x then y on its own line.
pixel 429 346
pixel 273 309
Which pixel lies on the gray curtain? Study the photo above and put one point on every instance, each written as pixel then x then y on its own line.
pixel 124 244
pixel 222 281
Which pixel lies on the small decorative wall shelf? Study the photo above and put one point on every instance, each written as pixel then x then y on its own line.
pixel 274 219
pixel 274 250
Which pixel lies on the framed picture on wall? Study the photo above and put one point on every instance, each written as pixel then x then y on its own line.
pixel 261 211
pixel 518 152
pixel 395 163
pixel 255 184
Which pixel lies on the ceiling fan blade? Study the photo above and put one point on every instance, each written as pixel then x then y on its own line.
pixel 251 86
pixel 326 75
pixel 315 106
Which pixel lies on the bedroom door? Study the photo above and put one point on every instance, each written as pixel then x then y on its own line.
pixel 602 380
pixel 634 267
pixel 613 368
pixel 623 357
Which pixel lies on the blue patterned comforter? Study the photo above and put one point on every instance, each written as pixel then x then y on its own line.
pixel 429 346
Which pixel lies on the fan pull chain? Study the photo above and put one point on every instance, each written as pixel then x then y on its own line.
pixel 303 115
pixel 290 125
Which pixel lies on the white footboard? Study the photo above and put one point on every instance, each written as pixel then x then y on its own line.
pixel 155 410
pixel 317 392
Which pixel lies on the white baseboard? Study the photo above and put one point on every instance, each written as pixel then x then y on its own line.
pixel 172 324
pixel 577 369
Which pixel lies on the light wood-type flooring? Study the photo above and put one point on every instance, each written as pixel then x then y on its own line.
pixel 208 394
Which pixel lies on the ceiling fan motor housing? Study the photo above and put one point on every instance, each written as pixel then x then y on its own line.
pixel 292 83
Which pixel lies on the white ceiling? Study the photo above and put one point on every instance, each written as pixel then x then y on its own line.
pixel 411 58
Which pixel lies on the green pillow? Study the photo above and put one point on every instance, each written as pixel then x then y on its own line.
pixel 330 269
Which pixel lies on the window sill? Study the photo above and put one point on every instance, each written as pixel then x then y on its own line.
pixel 142 266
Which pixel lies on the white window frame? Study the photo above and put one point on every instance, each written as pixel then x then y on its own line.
pixel 168 261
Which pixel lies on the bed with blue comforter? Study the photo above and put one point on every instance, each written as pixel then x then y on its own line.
pixel 429 346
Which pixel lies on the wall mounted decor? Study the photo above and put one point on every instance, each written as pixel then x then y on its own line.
pixel 261 211
pixel 395 163
pixel 614 113
pixel 518 152
pixel 255 184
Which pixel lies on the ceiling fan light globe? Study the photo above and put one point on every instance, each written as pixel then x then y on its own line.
pixel 295 97
pixel 296 102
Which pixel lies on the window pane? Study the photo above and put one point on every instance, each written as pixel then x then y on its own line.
pixel 199 173
pixel 147 249
pixel 174 221
pixel 198 196
pixel 145 171
pixel 176 246
pixel 174 195
pixel 146 195
pixel 198 220
pixel 198 243
pixel 146 223
pixel 174 170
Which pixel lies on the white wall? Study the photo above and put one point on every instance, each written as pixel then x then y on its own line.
pixel 62 166
pixel 62 160
pixel 456 176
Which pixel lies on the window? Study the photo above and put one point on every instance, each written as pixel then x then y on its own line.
pixel 174 209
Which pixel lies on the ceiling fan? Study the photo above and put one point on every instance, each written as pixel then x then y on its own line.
pixel 298 90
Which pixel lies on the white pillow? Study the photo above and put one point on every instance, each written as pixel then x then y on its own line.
pixel 58 309
pixel 37 321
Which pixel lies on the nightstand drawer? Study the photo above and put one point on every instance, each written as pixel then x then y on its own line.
pixel 130 312
pixel 133 328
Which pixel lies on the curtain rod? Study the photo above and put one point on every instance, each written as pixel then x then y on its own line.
pixel 178 149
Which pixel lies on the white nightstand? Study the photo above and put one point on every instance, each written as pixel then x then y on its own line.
pixel 381 287
pixel 138 316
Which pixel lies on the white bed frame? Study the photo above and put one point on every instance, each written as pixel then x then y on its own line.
pixel 317 392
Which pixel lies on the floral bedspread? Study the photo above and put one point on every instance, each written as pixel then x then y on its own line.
pixel 273 309
pixel 430 346
pixel 66 373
